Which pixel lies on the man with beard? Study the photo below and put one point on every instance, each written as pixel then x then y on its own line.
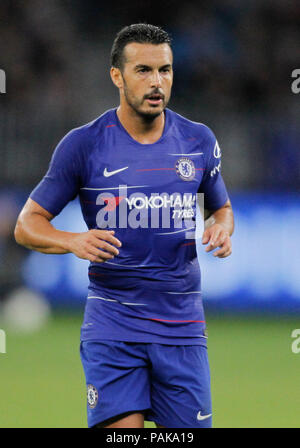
pixel 138 170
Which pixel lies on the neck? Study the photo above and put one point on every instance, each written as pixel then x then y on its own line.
pixel 140 128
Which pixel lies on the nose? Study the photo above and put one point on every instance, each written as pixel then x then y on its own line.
pixel 156 79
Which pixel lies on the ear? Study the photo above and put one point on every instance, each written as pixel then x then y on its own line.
pixel 116 77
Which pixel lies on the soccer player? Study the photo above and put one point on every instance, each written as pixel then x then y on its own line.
pixel 138 170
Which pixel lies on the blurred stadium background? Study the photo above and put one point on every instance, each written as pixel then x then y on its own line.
pixel 233 65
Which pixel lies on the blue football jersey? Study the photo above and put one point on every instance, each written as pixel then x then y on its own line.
pixel 147 193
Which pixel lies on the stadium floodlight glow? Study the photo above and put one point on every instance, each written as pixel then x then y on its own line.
pixel 2 81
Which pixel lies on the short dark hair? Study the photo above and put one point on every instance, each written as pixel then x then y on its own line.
pixel 141 33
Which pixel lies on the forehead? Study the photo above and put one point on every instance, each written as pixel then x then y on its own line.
pixel 148 54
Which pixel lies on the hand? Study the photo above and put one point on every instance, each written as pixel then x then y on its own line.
pixel 217 236
pixel 94 245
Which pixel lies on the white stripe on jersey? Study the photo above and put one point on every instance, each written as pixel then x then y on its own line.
pixel 176 231
pixel 120 187
pixel 189 154
pixel 189 292
pixel 113 300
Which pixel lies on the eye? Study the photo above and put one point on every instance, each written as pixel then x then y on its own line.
pixel 165 69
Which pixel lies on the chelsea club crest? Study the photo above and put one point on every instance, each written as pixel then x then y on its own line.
pixel 92 396
pixel 185 168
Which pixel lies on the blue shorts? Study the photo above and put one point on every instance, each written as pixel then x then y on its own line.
pixel 170 384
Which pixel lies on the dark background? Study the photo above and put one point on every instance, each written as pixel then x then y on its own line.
pixel 233 62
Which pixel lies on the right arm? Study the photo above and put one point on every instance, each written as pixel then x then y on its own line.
pixel 59 186
pixel 35 231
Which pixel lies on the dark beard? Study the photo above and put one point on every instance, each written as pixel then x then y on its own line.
pixel 146 116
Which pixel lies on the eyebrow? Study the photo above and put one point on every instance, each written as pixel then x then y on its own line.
pixel 147 66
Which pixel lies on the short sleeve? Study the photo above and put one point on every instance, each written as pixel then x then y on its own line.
pixel 61 183
pixel 212 185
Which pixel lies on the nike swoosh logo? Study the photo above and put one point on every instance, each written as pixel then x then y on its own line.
pixel 202 417
pixel 111 173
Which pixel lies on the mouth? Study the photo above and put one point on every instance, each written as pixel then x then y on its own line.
pixel 155 99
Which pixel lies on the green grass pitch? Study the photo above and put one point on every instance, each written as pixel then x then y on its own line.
pixel 255 374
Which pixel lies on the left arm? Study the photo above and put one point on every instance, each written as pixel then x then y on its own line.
pixel 219 227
